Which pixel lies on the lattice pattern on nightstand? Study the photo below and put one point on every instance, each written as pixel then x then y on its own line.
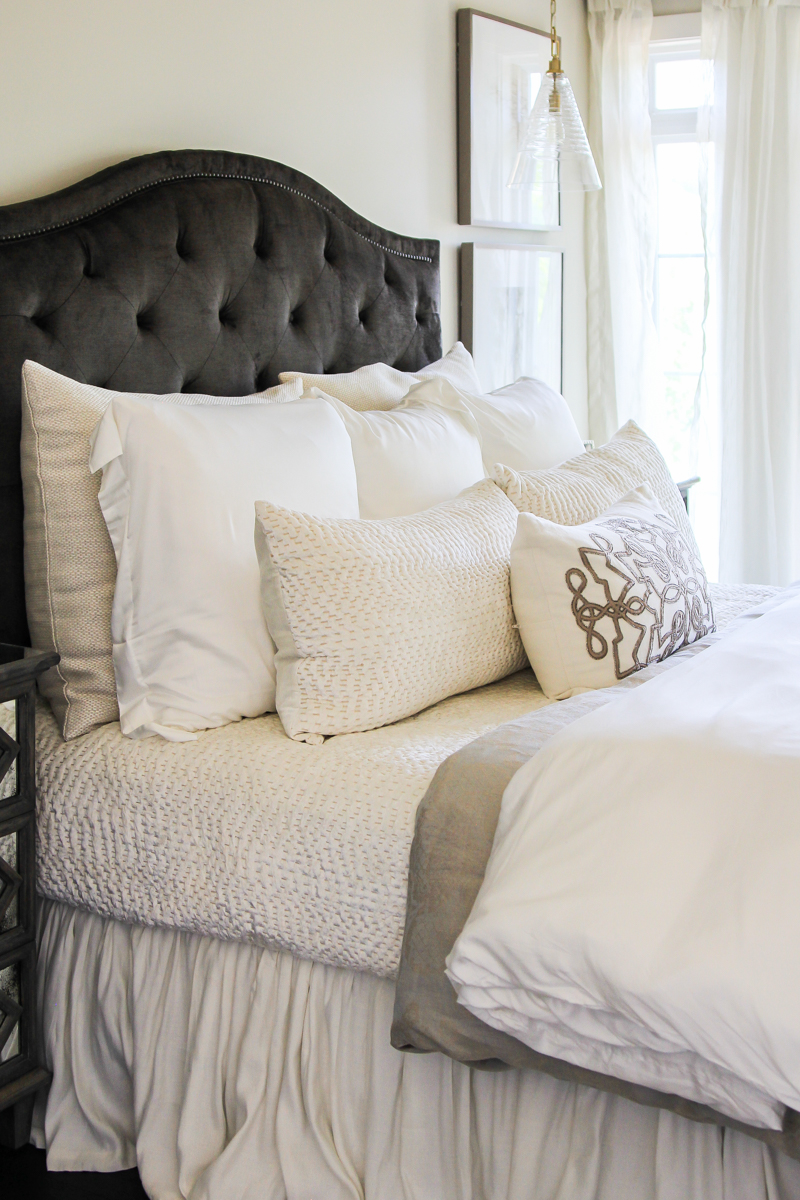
pixel 10 882
pixel 9 750
pixel 10 1011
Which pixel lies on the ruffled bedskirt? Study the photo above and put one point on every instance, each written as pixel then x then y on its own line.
pixel 232 1072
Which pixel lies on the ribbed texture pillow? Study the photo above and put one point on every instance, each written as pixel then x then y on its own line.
pixel 70 569
pixel 379 386
pixel 584 487
pixel 376 620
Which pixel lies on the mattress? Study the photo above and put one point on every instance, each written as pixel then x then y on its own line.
pixel 245 835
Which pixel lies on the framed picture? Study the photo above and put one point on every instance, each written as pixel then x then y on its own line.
pixel 511 307
pixel 500 65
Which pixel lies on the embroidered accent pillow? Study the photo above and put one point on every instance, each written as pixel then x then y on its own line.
pixel 585 486
pixel 597 602
pixel 376 620
pixel 70 569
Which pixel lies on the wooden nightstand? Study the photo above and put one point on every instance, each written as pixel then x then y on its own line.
pixel 21 1075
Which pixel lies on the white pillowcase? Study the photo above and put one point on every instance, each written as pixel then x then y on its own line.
pixel 70 570
pixel 526 425
pixel 375 620
pixel 379 386
pixel 598 601
pixel 191 649
pixel 411 458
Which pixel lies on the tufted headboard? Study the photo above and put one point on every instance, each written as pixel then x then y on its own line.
pixel 196 271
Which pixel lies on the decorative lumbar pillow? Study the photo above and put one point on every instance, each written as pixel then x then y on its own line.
pixel 379 386
pixel 70 570
pixel 376 620
pixel 596 602
pixel 584 487
pixel 411 458
pixel 526 425
pixel 191 647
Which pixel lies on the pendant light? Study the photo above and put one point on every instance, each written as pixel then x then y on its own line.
pixel 554 151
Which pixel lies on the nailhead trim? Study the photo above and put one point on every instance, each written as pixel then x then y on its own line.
pixel 10 237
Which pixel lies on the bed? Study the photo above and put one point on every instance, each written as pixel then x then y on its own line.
pixel 222 919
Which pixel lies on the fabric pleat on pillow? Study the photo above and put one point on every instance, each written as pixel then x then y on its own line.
pixel 379 386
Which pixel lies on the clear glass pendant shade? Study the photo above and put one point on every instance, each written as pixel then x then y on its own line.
pixel 554 149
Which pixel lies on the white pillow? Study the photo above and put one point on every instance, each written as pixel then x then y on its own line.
pixel 379 386
pixel 526 425
pixel 597 602
pixel 411 458
pixel 70 569
pixel 191 649
pixel 375 620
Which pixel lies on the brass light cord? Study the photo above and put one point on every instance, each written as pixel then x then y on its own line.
pixel 555 59
pixel 555 43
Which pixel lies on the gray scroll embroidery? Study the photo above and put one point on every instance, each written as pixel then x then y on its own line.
pixel 642 593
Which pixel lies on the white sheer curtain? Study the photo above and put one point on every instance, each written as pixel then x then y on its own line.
pixel 755 126
pixel 620 220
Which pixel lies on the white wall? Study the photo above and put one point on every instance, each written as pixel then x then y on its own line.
pixel 359 94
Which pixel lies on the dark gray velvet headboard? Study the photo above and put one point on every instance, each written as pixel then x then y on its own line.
pixel 196 271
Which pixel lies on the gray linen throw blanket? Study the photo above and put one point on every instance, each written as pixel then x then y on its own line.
pixel 453 838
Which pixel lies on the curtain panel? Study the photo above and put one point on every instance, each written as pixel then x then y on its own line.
pixel 755 129
pixel 621 229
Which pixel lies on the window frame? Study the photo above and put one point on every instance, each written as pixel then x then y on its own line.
pixel 671 124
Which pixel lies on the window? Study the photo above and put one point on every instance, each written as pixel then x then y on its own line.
pixel 679 286
pixel 678 82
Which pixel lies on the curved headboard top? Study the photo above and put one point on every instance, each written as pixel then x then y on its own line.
pixel 196 271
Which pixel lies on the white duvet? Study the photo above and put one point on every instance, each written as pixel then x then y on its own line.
pixel 640 913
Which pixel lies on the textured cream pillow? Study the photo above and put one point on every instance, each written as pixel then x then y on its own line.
pixel 70 570
pixel 584 487
pixel 598 601
pixel 379 386
pixel 376 620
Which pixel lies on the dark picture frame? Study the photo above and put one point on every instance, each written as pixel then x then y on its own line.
pixel 511 311
pixel 498 66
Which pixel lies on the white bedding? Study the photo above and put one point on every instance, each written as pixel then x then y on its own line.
pixel 640 913
pixel 245 835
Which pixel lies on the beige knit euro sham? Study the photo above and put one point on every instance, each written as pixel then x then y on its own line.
pixel 584 487
pixel 70 569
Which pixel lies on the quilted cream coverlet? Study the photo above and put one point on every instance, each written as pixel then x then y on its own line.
pixel 246 835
